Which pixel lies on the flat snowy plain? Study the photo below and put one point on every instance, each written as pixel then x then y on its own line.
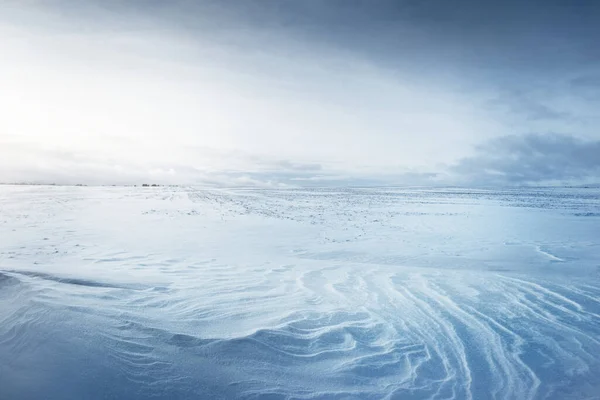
pixel 188 293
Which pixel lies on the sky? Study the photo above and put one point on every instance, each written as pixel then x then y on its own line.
pixel 300 93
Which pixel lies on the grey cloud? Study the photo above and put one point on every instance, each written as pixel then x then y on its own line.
pixel 57 166
pixel 527 106
pixel 288 165
pixel 587 86
pixel 509 160
pixel 586 81
pixel 507 40
pixel 531 159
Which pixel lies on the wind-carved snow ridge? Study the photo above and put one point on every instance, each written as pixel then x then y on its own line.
pixel 298 294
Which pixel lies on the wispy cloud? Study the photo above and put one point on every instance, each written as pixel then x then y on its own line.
pixel 528 106
pixel 531 159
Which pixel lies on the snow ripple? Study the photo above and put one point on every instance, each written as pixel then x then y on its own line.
pixel 374 333
pixel 285 316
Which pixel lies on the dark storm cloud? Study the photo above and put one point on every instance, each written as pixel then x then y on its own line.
pixel 483 35
pixel 534 158
pixel 497 45
pixel 489 38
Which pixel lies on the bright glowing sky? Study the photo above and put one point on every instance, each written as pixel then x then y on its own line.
pixel 286 92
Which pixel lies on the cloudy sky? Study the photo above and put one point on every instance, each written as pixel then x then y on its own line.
pixel 288 92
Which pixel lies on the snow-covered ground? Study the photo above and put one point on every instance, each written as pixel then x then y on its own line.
pixel 188 293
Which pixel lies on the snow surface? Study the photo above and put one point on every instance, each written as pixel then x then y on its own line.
pixel 183 293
